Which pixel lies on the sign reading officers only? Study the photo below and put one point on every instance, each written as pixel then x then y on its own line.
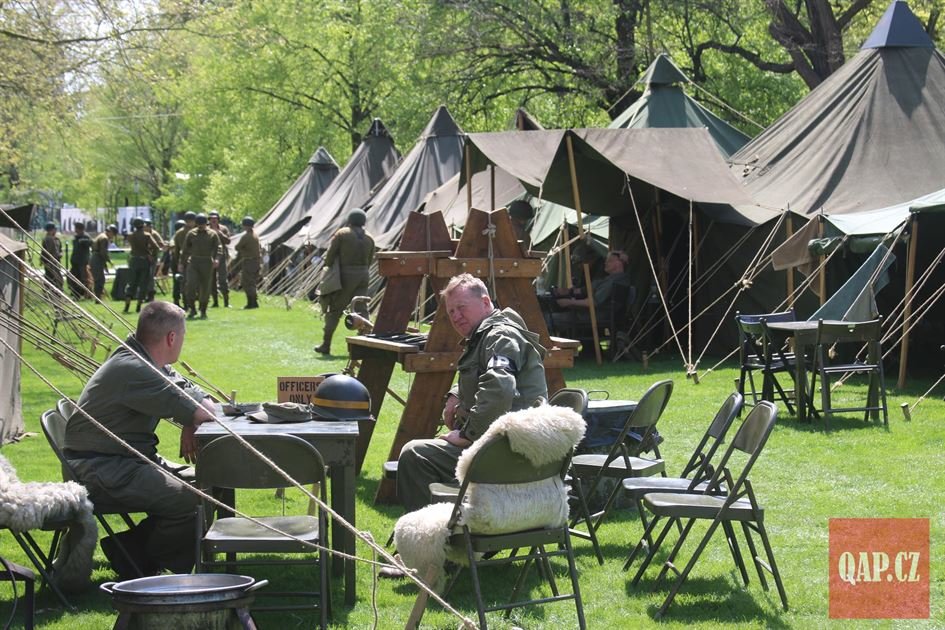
pixel 297 389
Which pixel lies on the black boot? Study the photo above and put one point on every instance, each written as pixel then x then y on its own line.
pixel 127 305
pixel 192 314
pixel 216 302
pixel 138 308
pixel 226 299
pixel 203 313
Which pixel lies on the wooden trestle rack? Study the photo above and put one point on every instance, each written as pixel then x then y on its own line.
pixel 426 250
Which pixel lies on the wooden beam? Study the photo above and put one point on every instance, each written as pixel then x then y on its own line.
pixel 575 191
pixel 504 267
pixel 592 311
pixel 907 308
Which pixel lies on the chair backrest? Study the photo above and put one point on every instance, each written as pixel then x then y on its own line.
pixel 54 428
pixel 66 408
pixel 849 332
pixel 648 411
pixel 574 399
pixel 226 463
pixel 750 439
pixel 497 463
pixel 780 316
pixel 714 436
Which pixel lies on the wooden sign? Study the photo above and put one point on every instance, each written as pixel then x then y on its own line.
pixel 297 389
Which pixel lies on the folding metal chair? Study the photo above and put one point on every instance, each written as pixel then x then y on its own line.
pixel 758 353
pixel 724 500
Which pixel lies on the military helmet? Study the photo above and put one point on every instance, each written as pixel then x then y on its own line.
pixel 137 222
pixel 78 225
pixel 112 228
pixel 179 224
pixel 50 226
pixel 521 209
pixel 357 217
pixel 190 216
pixel 212 214
pixel 201 219
pixel 341 397
pixel 148 221
pixel 248 222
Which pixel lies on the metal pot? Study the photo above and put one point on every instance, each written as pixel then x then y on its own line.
pixel 175 590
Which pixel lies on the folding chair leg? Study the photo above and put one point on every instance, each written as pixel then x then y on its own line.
pixel 41 567
pixel 689 565
pixel 575 587
pixel 652 552
pixel 669 563
pixel 759 568
pixel 736 551
pixel 585 515
pixel 774 566
pixel 474 574
pixel 646 538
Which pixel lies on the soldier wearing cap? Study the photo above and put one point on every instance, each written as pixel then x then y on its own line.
pixel 79 261
pixel 159 259
pixel 100 259
pixel 143 253
pixel 52 255
pixel 199 255
pixel 179 269
pixel 221 272
pixel 353 250
pixel 248 253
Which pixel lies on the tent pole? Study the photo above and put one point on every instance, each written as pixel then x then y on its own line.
pixel 907 308
pixel 574 185
pixel 469 182
pixel 492 185
pixel 592 311
pixel 822 276
pixel 789 231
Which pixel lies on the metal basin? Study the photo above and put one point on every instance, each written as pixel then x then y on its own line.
pixel 175 590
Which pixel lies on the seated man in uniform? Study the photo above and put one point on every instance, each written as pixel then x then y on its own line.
pixel 500 370
pixel 129 394
pixel 577 303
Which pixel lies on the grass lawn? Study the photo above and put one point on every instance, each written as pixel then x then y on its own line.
pixel 804 478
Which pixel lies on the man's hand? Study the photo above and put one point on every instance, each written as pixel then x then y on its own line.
pixel 188 444
pixel 454 438
pixel 204 413
pixel 449 410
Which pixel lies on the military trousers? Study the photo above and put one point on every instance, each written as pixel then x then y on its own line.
pixel 134 486
pixel 78 280
pixel 199 281
pixel 98 275
pixel 249 277
pixel 421 463
pixel 221 273
pixel 138 269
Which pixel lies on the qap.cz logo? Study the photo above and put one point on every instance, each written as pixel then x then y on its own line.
pixel 879 568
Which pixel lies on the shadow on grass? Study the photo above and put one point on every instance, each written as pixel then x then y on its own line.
pixel 837 423
pixel 702 600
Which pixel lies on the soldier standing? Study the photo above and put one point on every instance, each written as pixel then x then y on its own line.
pixel 353 248
pixel 79 261
pixel 144 251
pixel 100 259
pixel 162 246
pixel 201 247
pixel 221 281
pixel 248 254
pixel 52 256
pixel 180 267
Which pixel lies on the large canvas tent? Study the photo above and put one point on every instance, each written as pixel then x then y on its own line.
pixel 433 160
pixel 664 104
pixel 372 163
pixel 290 213
pixel 871 135
pixel 647 181
pixel 11 269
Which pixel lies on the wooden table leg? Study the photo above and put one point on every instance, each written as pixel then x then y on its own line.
pixel 343 502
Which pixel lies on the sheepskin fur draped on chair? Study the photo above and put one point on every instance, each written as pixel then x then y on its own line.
pixel 542 435
pixel 27 506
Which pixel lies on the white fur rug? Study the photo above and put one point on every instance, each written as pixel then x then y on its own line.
pixel 26 506
pixel 542 435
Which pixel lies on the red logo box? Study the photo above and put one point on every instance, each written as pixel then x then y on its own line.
pixel 879 568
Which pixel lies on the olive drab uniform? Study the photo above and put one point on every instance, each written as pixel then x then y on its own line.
pixel 201 247
pixel 161 246
pixel 143 253
pixel 176 261
pixel 500 370
pixel 221 283
pixel 353 248
pixel 248 252
pixel 99 262
pixel 51 255
pixel 78 265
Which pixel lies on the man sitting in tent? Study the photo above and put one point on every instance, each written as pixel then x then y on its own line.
pixel 577 303
pixel 129 394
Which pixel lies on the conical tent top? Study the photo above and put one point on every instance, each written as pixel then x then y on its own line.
pixel 441 124
pixel 322 157
pixel 378 129
pixel 524 121
pixel 663 72
pixel 899 27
